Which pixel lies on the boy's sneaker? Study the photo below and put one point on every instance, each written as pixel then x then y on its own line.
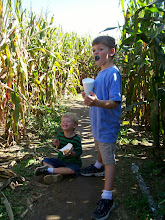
pixel 92 171
pixel 104 207
pixel 41 171
pixel 53 178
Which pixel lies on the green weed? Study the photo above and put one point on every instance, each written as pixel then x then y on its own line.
pixel 24 167
pixel 161 204
pixel 16 205
pixel 45 121
pixel 138 206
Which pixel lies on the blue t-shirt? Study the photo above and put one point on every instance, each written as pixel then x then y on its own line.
pixel 105 123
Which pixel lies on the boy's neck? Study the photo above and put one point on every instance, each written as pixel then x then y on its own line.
pixel 69 134
pixel 107 65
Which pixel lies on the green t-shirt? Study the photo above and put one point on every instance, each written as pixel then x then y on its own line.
pixel 77 148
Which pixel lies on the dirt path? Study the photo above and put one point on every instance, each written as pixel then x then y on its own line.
pixel 75 198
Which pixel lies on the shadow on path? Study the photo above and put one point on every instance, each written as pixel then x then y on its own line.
pixel 75 198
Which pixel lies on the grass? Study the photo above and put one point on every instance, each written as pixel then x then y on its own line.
pixel 25 166
pixel 22 196
pixel 15 199
pixel 133 146
pixel 45 121
pixel 139 206
pixel 140 152
pixel 154 171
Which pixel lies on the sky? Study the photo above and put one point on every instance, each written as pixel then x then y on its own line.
pixel 81 16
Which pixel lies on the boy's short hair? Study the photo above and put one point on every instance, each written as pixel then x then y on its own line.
pixel 72 116
pixel 105 40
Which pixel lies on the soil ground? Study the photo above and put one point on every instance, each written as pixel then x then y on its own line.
pixel 76 198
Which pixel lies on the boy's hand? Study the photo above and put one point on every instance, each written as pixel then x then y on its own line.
pixel 70 153
pixel 83 94
pixel 90 100
pixel 56 143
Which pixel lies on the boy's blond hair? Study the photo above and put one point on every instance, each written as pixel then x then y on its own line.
pixel 105 40
pixel 72 116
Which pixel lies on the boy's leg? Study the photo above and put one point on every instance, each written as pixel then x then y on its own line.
pixel 99 158
pixel 106 204
pixel 107 151
pixel 96 169
pixel 57 173
pixel 63 170
pixel 110 171
pixel 59 170
pixel 47 163
pixel 56 166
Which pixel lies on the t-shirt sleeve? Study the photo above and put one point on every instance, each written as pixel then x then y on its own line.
pixel 115 87
pixel 77 147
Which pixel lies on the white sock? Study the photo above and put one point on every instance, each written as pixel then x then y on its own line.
pixel 50 169
pixel 98 165
pixel 106 194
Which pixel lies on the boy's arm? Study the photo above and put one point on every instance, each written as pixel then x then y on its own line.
pixel 77 150
pixel 56 143
pixel 94 101
pixel 71 153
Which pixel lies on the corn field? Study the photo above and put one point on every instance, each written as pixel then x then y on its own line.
pixel 39 64
pixel 142 57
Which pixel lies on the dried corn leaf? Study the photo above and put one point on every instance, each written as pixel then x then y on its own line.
pixel 11 181
pixel 6 173
pixel 24 213
pixel 6 159
pixel 4 176
pixel 30 201
pixel 13 185
pixel 5 163
pixel 7 206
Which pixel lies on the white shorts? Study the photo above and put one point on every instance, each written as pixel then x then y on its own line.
pixel 107 151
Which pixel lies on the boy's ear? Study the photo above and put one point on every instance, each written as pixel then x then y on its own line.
pixel 75 126
pixel 112 52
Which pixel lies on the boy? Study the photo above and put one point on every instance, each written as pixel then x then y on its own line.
pixel 70 163
pixel 105 110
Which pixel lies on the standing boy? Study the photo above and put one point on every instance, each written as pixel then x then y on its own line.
pixel 65 164
pixel 105 110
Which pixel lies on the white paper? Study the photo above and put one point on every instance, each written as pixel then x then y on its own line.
pixel 67 147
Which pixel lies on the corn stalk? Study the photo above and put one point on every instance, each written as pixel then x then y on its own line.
pixel 38 65
pixel 142 45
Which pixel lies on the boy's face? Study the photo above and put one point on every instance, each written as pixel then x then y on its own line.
pixel 105 54
pixel 67 124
